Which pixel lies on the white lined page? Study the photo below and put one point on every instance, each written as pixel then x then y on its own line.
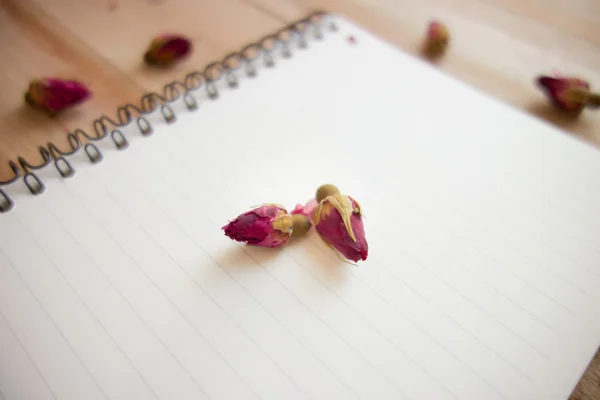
pixel 22 379
pixel 482 280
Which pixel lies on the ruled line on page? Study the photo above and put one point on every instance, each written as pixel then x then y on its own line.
pixel 99 323
pixel 163 149
pixel 209 155
pixel 59 222
pixel 149 235
pixel 472 369
pixel 178 387
pixel 503 264
pixel 178 311
pixel 240 183
pixel 473 240
pixel 333 292
pixel 154 284
pixel 452 232
pixel 376 178
pixel 562 235
pixel 156 171
pixel 346 381
pixel 381 371
pixel 363 317
pixel 406 226
pixel 454 321
pixel 403 175
pixel 132 166
pixel 189 167
pixel 540 243
pixel 201 392
pixel 99 391
pixel 245 290
pixel 499 203
pixel 185 316
pixel 48 393
pixel 451 260
pixel 460 211
pixel 458 292
pixel 402 314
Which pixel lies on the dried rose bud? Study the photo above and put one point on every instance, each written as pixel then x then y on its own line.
pixel 307 210
pixel 167 49
pixel 267 226
pixel 338 220
pixel 568 93
pixel 54 95
pixel 437 38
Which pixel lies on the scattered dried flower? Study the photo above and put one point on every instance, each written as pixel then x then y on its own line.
pixel 167 49
pixel 436 39
pixel 54 95
pixel 338 220
pixel 269 225
pixel 568 93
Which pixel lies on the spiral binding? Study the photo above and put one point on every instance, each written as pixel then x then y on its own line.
pixel 150 102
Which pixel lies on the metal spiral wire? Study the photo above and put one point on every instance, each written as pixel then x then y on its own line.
pixel 106 126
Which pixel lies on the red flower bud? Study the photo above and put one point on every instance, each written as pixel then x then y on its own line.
pixel 266 226
pixel 437 38
pixel 307 210
pixel 338 220
pixel 568 93
pixel 54 95
pixel 166 49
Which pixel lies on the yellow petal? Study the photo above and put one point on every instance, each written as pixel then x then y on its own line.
pixel 283 223
pixel 344 206
pixel 358 207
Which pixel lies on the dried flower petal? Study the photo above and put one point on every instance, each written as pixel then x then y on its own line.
pixel 307 210
pixel 54 95
pixel 338 220
pixel 568 93
pixel 266 226
pixel 167 49
pixel 437 38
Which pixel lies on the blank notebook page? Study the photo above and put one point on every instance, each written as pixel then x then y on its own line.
pixel 483 276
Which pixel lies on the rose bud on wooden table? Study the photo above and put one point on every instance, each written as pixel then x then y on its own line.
pixel 167 49
pixel 437 38
pixel 54 95
pixel 569 94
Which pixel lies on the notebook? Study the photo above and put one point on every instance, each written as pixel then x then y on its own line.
pixel 483 276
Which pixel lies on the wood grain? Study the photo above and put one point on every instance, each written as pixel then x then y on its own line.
pixel 498 46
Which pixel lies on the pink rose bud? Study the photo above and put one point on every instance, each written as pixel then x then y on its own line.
pixel 338 220
pixel 53 95
pixel 267 226
pixel 307 210
pixel 167 49
pixel 437 38
pixel 568 93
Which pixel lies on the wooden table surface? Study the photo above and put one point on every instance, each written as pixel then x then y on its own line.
pixel 497 45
